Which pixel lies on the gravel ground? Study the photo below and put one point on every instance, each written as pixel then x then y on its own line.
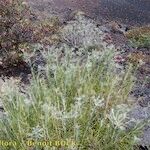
pixel 131 12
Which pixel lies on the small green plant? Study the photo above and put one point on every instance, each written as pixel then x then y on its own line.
pixel 140 37
pixel 85 104
pixel 143 41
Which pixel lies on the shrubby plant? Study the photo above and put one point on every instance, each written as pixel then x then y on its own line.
pixel 143 41
pixel 82 32
pixel 18 30
pixel 139 37
pixel 87 104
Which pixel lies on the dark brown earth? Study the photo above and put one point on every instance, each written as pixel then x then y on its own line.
pixel 131 12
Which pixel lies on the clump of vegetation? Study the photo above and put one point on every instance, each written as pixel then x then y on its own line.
pixel 87 104
pixel 140 37
pixel 82 101
pixel 18 30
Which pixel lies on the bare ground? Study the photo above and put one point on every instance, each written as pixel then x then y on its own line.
pixel 131 12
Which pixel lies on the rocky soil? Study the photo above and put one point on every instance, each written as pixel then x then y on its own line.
pixel 131 12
